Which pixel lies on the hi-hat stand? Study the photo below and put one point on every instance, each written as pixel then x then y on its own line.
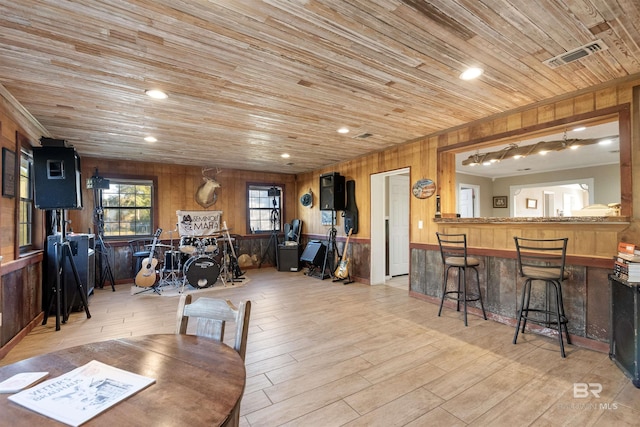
pixel 169 273
pixel 275 220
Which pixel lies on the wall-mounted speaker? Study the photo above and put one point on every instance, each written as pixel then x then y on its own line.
pixel 624 345
pixel 314 253
pixel 57 179
pixel 332 192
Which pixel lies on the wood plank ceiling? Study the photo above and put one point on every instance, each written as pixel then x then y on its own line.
pixel 249 80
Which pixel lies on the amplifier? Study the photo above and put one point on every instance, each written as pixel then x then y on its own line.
pixel 624 345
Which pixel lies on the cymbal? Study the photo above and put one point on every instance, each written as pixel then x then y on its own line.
pixel 160 245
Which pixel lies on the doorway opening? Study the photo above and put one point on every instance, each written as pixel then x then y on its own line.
pixel 389 225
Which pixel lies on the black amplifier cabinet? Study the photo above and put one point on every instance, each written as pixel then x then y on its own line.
pixel 288 257
pixel 82 248
pixel 624 346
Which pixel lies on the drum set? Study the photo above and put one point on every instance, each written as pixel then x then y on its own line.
pixel 199 262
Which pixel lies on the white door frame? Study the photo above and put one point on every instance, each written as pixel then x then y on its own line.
pixel 378 198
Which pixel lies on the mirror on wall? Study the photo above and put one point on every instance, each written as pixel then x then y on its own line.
pixel 572 170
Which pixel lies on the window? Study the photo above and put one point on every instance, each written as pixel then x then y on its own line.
pixel 127 208
pixel 265 211
pixel 25 221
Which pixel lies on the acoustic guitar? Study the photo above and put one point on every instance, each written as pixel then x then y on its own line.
pixel 342 272
pixel 147 276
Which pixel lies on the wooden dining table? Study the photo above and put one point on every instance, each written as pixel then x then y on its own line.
pixel 199 381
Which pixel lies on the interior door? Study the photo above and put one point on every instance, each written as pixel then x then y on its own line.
pixel 399 190
pixel 466 202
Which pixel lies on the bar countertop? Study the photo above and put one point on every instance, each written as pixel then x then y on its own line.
pixel 446 218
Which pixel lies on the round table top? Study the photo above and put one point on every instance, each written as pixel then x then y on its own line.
pixel 198 380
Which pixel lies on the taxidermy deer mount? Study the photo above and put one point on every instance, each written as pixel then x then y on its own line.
pixel 206 193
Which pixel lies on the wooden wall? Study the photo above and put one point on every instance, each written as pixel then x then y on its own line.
pixel 20 274
pixel 177 187
pixel 421 156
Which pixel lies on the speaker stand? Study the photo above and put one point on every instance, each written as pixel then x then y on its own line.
pixel 55 296
pixel 332 250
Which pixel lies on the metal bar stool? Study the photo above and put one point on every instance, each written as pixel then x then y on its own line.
pixel 543 260
pixel 453 248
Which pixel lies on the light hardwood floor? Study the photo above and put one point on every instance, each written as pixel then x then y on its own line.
pixel 326 354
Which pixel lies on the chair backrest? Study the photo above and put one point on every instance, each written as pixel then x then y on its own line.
pixel 292 231
pixel 296 230
pixel 212 315
pixel 453 248
pixel 140 245
pixel 542 258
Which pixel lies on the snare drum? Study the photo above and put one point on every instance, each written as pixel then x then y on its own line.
pixel 188 245
pixel 210 245
pixel 201 271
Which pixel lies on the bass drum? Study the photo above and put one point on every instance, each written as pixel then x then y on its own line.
pixel 201 271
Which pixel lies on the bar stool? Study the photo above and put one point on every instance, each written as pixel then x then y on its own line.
pixel 543 260
pixel 453 249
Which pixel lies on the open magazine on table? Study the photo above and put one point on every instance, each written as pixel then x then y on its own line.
pixel 77 396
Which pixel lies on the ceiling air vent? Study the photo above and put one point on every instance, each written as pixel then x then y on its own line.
pixel 575 54
pixel 364 135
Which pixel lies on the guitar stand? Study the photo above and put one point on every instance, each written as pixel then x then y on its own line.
pixel 55 296
pixel 345 280
pixel 155 288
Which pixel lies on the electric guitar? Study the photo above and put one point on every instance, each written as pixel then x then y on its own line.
pixel 233 260
pixel 342 272
pixel 147 276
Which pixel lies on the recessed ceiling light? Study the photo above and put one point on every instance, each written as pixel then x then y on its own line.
pixel 285 155
pixel 471 73
pixel 156 94
pixel 150 139
pixel 343 130
pixel 605 142
pixel 579 129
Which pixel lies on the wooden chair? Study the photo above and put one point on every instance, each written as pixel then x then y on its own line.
pixel 211 315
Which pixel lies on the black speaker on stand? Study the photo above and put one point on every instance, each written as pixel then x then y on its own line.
pixel 332 192
pixel 57 179
pixel 624 344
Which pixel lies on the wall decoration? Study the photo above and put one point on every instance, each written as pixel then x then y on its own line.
pixel 424 188
pixel 8 173
pixel 532 203
pixel 206 194
pixel 500 202
pixel 328 217
pixel 307 199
